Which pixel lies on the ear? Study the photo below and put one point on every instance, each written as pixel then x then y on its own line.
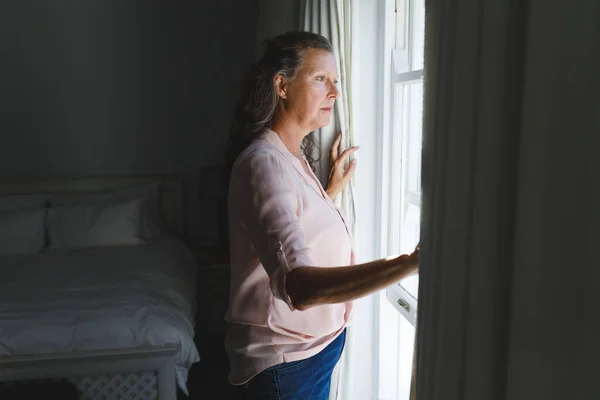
pixel 281 85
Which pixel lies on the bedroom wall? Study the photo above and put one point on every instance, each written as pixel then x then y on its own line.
pixel 276 17
pixel 121 88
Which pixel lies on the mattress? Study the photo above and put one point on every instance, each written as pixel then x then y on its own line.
pixel 100 298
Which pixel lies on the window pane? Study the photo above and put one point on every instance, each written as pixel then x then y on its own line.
pixel 396 351
pixel 410 238
pixel 396 178
pixel 417 40
pixel 415 136
pixel 408 133
pixel 402 13
pixel 411 285
pixel 406 345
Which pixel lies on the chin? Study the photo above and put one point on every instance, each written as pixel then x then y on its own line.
pixel 323 123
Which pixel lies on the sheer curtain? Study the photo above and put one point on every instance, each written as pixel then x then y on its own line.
pixel 511 165
pixel 332 19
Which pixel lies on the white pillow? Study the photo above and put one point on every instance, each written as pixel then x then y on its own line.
pixel 123 217
pixel 95 224
pixel 22 231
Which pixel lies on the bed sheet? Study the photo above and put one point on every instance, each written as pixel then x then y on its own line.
pixel 100 298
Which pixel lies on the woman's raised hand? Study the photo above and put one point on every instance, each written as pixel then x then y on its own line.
pixel 340 174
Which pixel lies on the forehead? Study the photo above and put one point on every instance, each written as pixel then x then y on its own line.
pixel 317 60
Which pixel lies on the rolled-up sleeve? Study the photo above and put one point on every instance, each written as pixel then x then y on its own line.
pixel 272 218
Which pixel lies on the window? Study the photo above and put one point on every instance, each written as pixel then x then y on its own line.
pixel 401 192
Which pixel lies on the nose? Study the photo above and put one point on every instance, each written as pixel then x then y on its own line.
pixel 334 92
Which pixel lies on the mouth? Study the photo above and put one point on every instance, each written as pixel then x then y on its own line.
pixel 327 109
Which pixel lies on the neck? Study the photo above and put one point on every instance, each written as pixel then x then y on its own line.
pixel 290 133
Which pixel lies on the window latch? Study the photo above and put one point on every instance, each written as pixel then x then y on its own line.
pixel 402 303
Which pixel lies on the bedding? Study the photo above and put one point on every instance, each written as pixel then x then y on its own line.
pixel 98 298
pixel 22 223
pixel 22 231
pixel 95 224
pixel 121 217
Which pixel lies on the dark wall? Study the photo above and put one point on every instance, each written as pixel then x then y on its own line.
pixel 103 87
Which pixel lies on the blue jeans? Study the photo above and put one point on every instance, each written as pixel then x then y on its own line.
pixel 307 379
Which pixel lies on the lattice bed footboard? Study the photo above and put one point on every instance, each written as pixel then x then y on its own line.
pixel 96 375
pixel 133 386
pixel 120 386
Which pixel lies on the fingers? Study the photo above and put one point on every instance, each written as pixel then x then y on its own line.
pixel 413 260
pixel 345 154
pixel 335 147
pixel 350 171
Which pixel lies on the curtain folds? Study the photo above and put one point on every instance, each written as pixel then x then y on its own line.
pixel 331 18
pixel 510 220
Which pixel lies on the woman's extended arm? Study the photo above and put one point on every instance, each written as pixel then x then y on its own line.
pixel 268 202
pixel 312 286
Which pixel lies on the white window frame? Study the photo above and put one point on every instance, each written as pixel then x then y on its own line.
pixel 394 150
pixel 398 307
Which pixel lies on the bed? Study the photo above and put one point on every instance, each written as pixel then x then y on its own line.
pixel 102 293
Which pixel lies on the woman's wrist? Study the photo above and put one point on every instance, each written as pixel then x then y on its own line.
pixel 331 193
pixel 409 263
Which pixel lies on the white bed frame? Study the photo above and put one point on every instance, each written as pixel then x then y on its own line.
pixel 142 373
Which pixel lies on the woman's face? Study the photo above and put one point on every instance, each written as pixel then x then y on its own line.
pixel 310 95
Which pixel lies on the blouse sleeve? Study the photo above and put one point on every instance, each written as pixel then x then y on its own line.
pixel 272 218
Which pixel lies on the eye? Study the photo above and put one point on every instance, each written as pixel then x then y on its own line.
pixel 321 78
pixel 335 81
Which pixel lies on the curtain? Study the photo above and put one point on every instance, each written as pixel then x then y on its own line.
pixel 511 164
pixel 332 19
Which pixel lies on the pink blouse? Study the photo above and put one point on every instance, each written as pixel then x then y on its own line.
pixel 280 218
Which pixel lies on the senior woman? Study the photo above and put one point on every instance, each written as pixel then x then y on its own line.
pixel 293 276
